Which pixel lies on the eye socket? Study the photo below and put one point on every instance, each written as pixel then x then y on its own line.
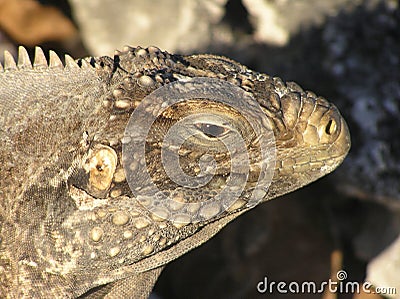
pixel 331 127
pixel 211 130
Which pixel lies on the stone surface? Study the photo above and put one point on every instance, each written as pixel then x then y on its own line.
pixel 276 21
pixel 174 25
pixel 384 270
pixel 29 22
pixel 363 58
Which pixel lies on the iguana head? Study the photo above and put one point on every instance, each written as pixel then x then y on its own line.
pixel 209 135
pixel 207 129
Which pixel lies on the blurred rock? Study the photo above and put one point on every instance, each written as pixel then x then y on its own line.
pixel 30 23
pixel 174 25
pixel 384 270
pixel 6 45
pixel 277 20
pixel 363 58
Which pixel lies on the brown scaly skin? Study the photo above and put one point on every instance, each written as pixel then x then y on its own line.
pixel 69 223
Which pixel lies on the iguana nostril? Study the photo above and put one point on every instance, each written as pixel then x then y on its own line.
pixel 331 127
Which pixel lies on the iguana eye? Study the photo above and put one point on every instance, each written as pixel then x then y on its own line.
pixel 212 130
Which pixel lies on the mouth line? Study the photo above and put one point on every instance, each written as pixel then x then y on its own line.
pixel 83 200
pixel 323 164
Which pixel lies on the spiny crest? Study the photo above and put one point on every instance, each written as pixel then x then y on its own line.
pixel 39 61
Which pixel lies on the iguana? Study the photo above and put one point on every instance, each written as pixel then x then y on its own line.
pixel 88 205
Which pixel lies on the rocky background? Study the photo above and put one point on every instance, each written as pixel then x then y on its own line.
pixel 347 51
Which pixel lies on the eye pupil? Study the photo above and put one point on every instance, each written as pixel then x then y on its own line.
pixel 211 130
